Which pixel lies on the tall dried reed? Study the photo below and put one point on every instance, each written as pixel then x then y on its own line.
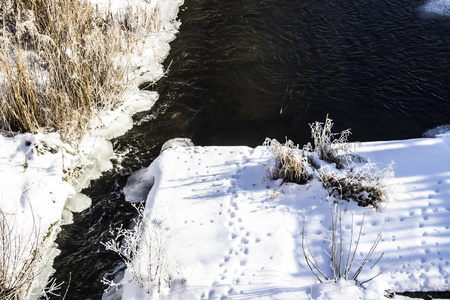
pixel 61 62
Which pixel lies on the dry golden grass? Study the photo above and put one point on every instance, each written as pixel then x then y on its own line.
pixel 60 62
pixel 290 163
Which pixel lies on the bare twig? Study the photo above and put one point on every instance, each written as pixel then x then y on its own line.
pixel 340 266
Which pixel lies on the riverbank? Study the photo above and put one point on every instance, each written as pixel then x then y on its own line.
pixel 217 227
pixel 41 176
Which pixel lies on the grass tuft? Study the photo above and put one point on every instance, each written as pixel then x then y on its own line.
pixel 363 184
pixel 290 163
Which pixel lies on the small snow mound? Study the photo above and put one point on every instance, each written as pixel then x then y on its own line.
pixel 336 291
pixel 78 203
pixel 177 142
pixel 440 131
pixel 435 8
pixel 138 186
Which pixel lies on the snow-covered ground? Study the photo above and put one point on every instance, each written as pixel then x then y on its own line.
pixel 35 193
pixel 218 227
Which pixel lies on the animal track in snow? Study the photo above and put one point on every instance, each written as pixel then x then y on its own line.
pixel 244 241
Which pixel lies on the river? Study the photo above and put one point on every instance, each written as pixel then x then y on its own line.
pixel 243 70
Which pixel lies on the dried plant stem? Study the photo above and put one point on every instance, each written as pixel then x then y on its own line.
pixel 330 149
pixel 341 261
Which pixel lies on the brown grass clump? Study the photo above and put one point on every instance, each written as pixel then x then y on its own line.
pixel 290 163
pixel 60 62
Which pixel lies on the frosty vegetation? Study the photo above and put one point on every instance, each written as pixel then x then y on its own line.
pixel 342 250
pixel 150 271
pixel 349 179
pixel 21 255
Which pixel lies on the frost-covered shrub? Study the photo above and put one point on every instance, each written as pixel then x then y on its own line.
pixel 330 149
pixel 21 256
pixel 144 251
pixel 364 184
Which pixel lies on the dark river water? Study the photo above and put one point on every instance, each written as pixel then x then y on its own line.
pixel 243 70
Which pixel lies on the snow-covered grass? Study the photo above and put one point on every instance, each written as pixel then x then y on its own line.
pixel 32 197
pixel 235 233
pixel 40 175
pixel 17 267
pixel 330 149
pixel 151 272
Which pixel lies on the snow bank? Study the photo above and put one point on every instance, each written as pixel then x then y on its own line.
pixel 35 170
pixel 231 232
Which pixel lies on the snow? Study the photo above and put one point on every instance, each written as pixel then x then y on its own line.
pixel 230 232
pixel 32 192
pixel 437 8
pixel 35 194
